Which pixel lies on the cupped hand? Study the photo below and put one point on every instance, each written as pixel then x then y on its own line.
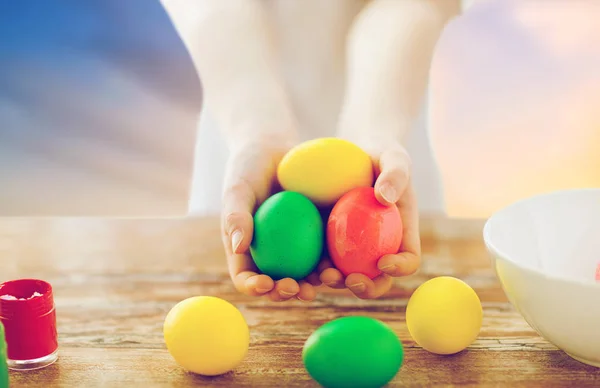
pixel 250 179
pixel 393 187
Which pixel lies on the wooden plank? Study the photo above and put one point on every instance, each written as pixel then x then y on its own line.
pixel 116 279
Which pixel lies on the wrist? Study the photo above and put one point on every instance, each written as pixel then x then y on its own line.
pixel 269 137
pixel 371 130
pixel 255 118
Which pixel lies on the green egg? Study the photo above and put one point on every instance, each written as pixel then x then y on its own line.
pixel 353 352
pixel 288 236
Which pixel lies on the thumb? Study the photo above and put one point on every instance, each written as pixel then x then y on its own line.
pixel 238 204
pixel 394 176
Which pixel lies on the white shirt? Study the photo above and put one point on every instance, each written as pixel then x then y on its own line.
pixel 311 37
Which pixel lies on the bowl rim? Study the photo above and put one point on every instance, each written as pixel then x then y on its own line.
pixel 499 253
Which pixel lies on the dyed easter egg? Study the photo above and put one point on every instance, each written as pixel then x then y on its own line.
pixel 325 169
pixel 353 352
pixel 361 230
pixel 288 236
pixel 444 315
pixel 206 335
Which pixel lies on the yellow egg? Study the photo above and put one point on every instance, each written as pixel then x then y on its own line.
pixel 325 169
pixel 444 315
pixel 206 335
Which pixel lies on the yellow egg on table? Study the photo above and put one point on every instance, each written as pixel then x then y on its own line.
pixel 325 169
pixel 444 315
pixel 206 335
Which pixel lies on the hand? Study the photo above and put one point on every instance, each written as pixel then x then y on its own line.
pixel 250 179
pixel 393 187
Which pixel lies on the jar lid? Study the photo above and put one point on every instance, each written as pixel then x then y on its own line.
pixel 25 298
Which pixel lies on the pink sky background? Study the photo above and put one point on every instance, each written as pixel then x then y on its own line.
pixel 515 103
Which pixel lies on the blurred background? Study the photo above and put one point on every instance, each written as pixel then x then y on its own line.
pixel 99 104
pixel 515 103
pixel 98 108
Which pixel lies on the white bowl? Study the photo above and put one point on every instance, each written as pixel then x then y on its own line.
pixel 546 250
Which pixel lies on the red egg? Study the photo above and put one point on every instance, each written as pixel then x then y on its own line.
pixel 361 230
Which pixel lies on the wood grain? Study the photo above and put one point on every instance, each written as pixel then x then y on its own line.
pixel 116 279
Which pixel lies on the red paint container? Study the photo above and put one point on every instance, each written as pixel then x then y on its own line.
pixel 29 317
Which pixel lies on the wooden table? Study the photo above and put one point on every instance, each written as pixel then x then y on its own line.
pixel 115 280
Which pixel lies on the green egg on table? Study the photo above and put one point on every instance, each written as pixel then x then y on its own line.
pixel 353 352
pixel 288 236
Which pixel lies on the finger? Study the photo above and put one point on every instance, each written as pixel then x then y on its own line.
pixel 285 289
pixel 329 275
pixel 237 224
pixel 237 228
pixel 252 284
pixel 409 258
pixel 366 288
pixel 314 280
pixel 307 292
pixel 394 166
pixel 333 278
pixel 401 264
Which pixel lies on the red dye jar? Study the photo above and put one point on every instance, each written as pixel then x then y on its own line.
pixel 29 317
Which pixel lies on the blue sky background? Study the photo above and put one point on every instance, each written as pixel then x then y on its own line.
pixel 98 104
pixel 133 35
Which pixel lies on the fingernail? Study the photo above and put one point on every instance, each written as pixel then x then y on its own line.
pixel 358 287
pixel 236 240
pixel 331 284
pixel 388 192
pixel 251 283
pixel 388 267
pixel 286 294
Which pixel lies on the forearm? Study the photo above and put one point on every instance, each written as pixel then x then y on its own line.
pixel 389 51
pixel 231 45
